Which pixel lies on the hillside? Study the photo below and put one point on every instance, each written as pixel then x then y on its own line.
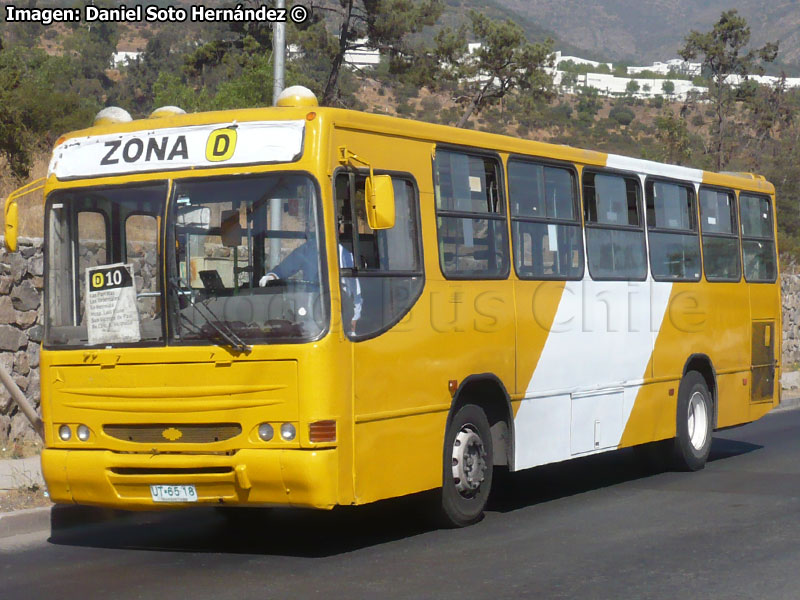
pixel 641 31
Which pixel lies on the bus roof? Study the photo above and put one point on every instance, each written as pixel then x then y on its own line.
pixel 434 133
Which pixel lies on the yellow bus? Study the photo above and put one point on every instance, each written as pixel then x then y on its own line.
pixel 308 306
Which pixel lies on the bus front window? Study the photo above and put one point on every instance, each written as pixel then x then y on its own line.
pixel 111 233
pixel 247 260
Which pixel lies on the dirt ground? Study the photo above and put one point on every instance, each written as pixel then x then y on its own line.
pixel 25 497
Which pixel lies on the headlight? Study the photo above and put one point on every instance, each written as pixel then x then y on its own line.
pixel 288 432
pixel 65 433
pixel 83 433
pixel 265 432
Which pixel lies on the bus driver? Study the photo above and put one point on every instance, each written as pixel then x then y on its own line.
pixel 305 258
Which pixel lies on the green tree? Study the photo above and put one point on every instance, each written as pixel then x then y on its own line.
pixel 93 46
pixel 673 136
pixel 588 100
pixel 722 53
pixel 162 55
pixel 769 112
pixel 385 25
pixel 668 87
pixel 632 87
pixel 170 90
pixel 41 96
pixel 569 80
pixel 503 62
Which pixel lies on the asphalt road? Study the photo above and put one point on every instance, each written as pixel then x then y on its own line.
pixel 592 528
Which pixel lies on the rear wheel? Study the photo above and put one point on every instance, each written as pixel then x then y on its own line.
pixel 694 423
pixel 689 449
pixel 468 464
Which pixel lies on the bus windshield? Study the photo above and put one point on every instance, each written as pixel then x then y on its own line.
pixel 246 264
pixel 90 230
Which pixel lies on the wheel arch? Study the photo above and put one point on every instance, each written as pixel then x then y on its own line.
pixel 488 391
pixel 702 364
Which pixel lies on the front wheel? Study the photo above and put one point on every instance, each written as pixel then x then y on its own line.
pixel 468 465
pixel 694 423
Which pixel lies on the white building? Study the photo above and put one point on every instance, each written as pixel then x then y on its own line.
pixel 120 59
pixel 559 58
pixel 611 85
pixel 771 80
pixel 674 65
pixel 361 58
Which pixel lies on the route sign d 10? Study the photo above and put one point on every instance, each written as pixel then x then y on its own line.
pixel 111 313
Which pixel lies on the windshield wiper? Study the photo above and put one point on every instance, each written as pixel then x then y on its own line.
pixel 221 327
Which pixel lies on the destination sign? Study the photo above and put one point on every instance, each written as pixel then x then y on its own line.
pixel 195 146
pixel 112 315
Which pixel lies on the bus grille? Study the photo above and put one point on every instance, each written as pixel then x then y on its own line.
pixel 174 434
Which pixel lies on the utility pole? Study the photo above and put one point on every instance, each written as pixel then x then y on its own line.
pixel 278 54
pixel 22 402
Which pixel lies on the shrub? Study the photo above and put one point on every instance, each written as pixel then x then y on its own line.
pixel 404 109
pixel 622 115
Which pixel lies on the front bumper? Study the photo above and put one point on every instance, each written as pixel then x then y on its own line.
pixel 287 477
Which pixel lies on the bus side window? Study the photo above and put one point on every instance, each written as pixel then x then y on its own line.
pixel 614 228
pixel 470 216
pixel 672 228
pixel 758 243
pixel 719 228
pixel 545 227
pixel 381 273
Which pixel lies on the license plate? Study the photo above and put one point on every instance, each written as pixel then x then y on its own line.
pixel 173 493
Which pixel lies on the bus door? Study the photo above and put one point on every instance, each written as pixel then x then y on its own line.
pixel 381 278
pixel 761 272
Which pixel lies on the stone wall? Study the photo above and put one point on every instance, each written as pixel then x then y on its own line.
pixel 790 291
pixel 21 320
pixel 20 333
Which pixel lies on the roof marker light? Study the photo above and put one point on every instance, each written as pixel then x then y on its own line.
pixel 111 115
pixel 166 111
pixel 297 95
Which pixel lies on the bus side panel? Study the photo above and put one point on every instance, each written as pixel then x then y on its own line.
pixel 710 319
pixel 588 380
pixel 734 403
pixel 455 329
pixel 653 414
pixel 536 304
pixel 765 307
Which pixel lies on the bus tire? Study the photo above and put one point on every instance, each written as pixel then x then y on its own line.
pixel 692 442
pixel 468 464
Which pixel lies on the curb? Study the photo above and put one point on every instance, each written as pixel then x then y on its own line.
pixel 58 518
pixel 24 521
pixel 790 402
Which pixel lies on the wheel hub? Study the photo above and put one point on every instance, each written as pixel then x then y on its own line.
pixel 697 420
pixel 469 461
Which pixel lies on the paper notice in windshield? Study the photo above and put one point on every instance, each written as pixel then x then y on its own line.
pixel 111 313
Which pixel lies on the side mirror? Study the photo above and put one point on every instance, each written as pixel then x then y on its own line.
pixel 12 225
pixel 231 229
pixel 379 197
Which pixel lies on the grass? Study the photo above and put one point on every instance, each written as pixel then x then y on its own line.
pixel 31 207
pixel 13 450
pixel 27 496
